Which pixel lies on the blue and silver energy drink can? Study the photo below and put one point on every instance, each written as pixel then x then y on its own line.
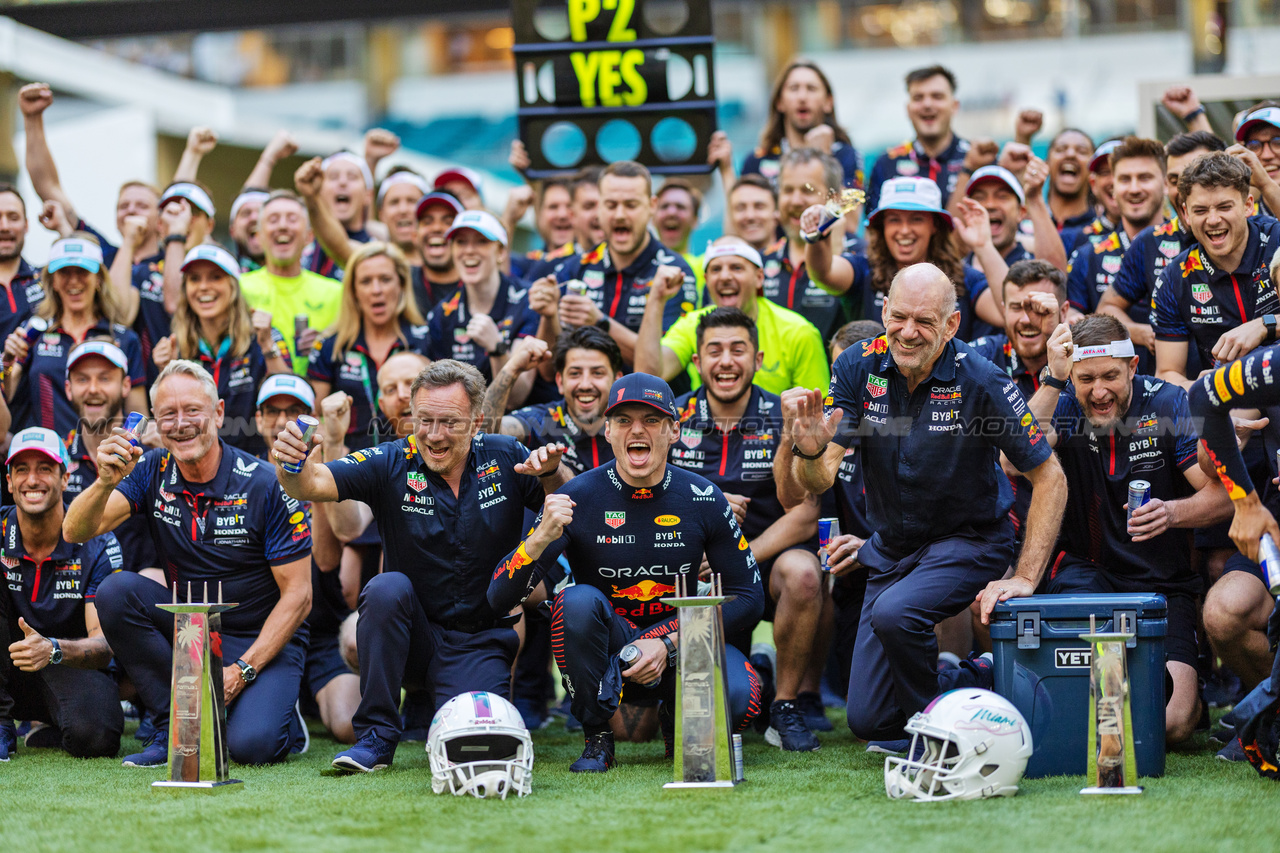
pixel 629 654
pixel 133 426
pixel 1269 560
pixel 576 286
pixel 737 758
pixel 36 327
pixel 308 425
pixel 828 529
pixel 1139 494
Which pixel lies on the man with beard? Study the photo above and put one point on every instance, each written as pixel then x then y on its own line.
pixel 806 177
pixel 803 116
pixel 346 183
pixel 936 153
pixel 1137 173
pixel 1217 295
pixel 552 202
pixel 730 431
pixel 55 669
pixel 1101 189
pixel 931 555
pixel 243 226
pixel 1154 247
pixel 678 206
pixel 97 385
pixel 282 287
pixel 436 279
pixel 658 521
pixel 396 204
pixel 449 501
pixel 618 272
pixel 1109 425
pixel 587 361
pixel 1000 193
pixel 217 517
pixel 1068 161
pixel 789 346
pixel 20 280
pixel 490 311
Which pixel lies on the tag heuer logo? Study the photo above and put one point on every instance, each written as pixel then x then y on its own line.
pixel 1170 248
pixel 1111 264
pixel 417 482
pixel 1201 293
pixel 615 519
pixel 690 438
pixel 877 385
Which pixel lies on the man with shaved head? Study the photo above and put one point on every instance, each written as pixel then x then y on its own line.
pixel 932 417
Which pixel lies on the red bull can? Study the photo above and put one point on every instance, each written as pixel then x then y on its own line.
pixel 133 426
pixel 629 655
pixel 576 287
pixel 1139 494
pixel 828 529
pixel 308 425
pixel 1269 560
pixel 301 322
pixel 34 328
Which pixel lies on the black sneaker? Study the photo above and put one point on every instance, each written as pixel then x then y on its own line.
pixel 8 741
pixel 43 736
pixel 597 756
pixel 787 729
pixel 1224 734
pixel 815 715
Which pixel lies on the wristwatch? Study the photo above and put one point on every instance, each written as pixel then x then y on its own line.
pixel 1269 321
pixel 798 452
pixel 247 672
pixel 1047 378
pixel 56 657
pixel 500 350
pixel 671 650
pixel 603 323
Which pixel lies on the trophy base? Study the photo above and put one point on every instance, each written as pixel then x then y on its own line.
pixel 726 783
pixel 1131 789
pixel 204 787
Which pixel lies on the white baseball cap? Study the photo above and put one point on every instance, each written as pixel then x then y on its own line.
pixel 42 440
pixel 482 222
pixel 919 194
pixel 999 174
pixel 103 349
pixel 75 252
pixel 284 385
pixel 192 193
pixel 216 255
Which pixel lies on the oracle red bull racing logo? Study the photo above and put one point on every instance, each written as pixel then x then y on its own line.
pixel 645 590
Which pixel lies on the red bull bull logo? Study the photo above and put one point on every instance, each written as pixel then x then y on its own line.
pixel 642 494
pixel 646 590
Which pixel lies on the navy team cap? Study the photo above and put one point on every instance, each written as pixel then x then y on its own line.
pixel 643 388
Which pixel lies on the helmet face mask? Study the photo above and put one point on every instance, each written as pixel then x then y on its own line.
pixel 478 745
pixel 967 745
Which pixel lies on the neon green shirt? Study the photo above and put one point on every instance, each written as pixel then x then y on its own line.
pixel 792 348
pixel 318 297
pixel 696 264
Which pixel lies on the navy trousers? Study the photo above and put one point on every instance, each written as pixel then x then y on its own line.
pixel 262 726
pixel 894 670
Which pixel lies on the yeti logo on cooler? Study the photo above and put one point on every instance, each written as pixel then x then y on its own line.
pixel 1072 658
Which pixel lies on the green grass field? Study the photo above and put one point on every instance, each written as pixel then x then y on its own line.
pixel 832 800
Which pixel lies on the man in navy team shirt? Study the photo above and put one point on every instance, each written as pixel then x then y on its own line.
pixel 1111 425
pixel 217 517
pixel 628 530
pixel 730 431
pixel 19 280
pixel 932 555
pixel 55 668
pixel 449 501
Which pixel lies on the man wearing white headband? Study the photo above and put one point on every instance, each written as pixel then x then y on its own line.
pixel 1111 427
pixel 790 345
pixel 345 187
pixel 244 228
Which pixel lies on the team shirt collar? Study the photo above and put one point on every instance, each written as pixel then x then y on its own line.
pixel 635 494
pixel 15 550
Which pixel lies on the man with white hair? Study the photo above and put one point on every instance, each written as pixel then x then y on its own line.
pixel 219 519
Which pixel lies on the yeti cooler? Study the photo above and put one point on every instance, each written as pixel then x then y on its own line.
pixel 1042 666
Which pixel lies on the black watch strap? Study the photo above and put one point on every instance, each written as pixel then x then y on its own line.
pixel 1269 321
pixel 798 452
pixel 671 650
pixel 1054 382
pixel 247 672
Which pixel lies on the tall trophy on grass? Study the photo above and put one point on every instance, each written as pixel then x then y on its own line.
pixel 707 755
pixel 839 203
pixel 197 715
pixel 1113 767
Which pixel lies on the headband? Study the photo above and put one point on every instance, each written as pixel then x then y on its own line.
pixel 246 197
pixel 1115 349
pixel 731 249
pixel 350 158
pixel 402 178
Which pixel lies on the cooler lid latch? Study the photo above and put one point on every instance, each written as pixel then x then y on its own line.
pixel 1028 626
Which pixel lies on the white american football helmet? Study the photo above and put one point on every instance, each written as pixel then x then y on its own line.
pixel 967 745
pixel 478 745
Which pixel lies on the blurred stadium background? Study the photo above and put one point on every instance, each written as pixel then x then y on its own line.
pixel 133 76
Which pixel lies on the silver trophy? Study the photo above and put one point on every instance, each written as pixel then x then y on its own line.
pixel 1113 768
pixel 705 756
pixel 197 715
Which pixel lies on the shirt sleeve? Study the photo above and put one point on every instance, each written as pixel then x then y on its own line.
pixel 1184 429
pixel 136 486
pixel 362 475
pixel 1130 282
pixel 437 347
pixel 518 573
pixel 1067 414
pixel 1078 279
pixel 845 394
pixel 681 338
pixel 1167 316
pixel 1246 384
pixel 286 535
pixel 107 559
pixel 1021 441
pixel 975 283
